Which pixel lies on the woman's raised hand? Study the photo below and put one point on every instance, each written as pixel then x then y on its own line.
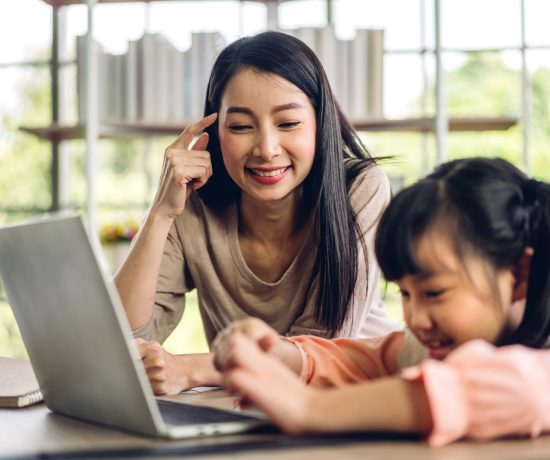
pixel 186 167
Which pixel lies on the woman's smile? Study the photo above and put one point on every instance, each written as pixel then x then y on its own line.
pixel 268 175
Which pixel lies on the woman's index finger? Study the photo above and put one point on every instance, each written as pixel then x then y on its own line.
pixel 183 141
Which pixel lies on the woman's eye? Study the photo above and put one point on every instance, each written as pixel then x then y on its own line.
pixel 404 294
pixel 289 125
pixel 239 128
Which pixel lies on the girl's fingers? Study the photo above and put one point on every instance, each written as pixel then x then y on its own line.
pixel 257 330
pixel 230 350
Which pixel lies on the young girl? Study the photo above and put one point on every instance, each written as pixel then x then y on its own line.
pixel 468 247
pixel 275 220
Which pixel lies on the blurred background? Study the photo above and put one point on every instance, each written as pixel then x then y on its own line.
pixel 494 79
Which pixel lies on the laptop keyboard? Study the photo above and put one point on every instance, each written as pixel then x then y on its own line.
pixel 175 413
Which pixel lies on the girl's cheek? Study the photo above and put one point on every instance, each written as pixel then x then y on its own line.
pixel 406 313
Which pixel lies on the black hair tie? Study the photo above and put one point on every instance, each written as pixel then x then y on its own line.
pixel 530 204
pixel 529 189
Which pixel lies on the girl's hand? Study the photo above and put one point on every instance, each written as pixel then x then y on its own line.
pixel 185 168
pixel 265 382
pixel 262 335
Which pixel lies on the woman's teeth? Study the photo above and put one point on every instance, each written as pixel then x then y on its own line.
pixel 272 173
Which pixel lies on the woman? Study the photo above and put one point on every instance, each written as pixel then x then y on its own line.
pixel 274 220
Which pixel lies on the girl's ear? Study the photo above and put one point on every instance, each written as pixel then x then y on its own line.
pixel 521 273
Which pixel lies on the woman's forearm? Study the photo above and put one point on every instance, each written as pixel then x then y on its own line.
pixel 136 279
pixel 201 370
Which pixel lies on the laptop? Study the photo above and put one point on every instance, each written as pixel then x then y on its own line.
pixel 79 340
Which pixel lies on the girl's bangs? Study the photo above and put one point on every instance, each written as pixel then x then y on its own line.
pixel 408 215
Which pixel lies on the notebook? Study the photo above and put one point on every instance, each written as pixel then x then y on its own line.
pixel 79 340
pixel 18 385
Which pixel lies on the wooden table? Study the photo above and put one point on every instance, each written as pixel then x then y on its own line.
pixel 36 432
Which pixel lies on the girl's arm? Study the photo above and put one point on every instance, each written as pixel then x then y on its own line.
pixel 319 362
pixel 484 392
pixel 479 391
pixel 389 404
pixel 337 362
pixel 228 343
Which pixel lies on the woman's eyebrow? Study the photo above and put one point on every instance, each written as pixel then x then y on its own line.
pixel 278 108
pixel 289 106
pixel 244 110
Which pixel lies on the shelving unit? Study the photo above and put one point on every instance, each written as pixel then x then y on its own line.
pixel 57 132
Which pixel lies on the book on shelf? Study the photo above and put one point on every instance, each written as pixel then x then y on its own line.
pixel 83 74
pixel 341 86
pixel 205 47
pixel 175 82
pixel 326 50
pixel 375 76
pixel 147 75
pixel 358 72
pixel 130 79
pixel 18 385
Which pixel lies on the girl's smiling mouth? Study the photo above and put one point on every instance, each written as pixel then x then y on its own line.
pixel 438 348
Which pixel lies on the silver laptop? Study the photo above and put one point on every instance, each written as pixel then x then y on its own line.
pixel 79 340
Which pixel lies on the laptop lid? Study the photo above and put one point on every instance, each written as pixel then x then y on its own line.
pixel 74 327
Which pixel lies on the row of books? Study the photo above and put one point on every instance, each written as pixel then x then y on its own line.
pixel 154 82
pixel 355 68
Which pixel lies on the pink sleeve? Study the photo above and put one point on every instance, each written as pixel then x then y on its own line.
pixel 484 392
pixel 337 362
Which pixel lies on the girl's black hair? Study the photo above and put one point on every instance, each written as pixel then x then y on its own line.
pixel 325 188
pixel 488 207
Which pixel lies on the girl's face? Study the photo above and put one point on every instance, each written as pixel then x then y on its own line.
pixel 455 301
pixel 267 130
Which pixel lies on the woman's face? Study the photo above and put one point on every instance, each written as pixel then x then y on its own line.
pixel 455 301
pixel 267 129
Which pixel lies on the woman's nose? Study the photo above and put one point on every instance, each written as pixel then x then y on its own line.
pixel 267 145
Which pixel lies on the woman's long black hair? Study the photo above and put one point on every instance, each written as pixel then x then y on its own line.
pixel 325 188
pixel 489 208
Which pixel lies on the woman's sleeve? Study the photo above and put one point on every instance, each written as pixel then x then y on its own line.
pixel 369 196
pixel 483 392
pixel 337 362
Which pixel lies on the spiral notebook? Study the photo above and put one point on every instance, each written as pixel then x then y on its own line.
pixel 18 385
